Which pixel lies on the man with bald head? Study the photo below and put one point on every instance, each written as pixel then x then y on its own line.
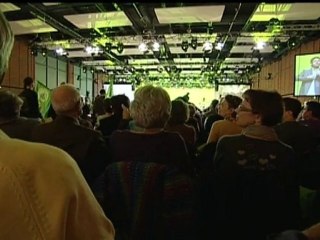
pixel 43 193
pixel 85 145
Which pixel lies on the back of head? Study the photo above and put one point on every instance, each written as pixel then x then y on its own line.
pixel 314 107
pixel 10 104
pixel 107 105
pixel 233 101
pixel 66 99
pixel 151 107
pixel 116 102
pixel 267 104
pixel 6 44
pixel 179 112
pixel 293 105
pixel 102 92
pixel 214 104
pixel 27 82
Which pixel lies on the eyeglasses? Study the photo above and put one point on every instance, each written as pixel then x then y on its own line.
pixel 242 108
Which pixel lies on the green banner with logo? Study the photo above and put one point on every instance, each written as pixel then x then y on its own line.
pixel 109 92
pixel 44 98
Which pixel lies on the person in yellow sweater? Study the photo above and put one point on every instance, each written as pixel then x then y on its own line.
pixel 43 193
pixel 227 126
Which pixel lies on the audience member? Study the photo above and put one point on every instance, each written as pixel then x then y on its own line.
pixel 254 175
pixel 86 146
pixel 46 196
pixel 148 142
pixel 30 107
pixel 226 109
pixel 311 117
pixel 176 123
pixel 10 121
pixel 118 119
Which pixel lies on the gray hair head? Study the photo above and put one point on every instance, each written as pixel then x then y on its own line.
pixel 65 99
pixel 10 104
pixel 151 107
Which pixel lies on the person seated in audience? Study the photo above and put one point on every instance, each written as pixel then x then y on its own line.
pixel 300 137
pixel 176 123
pixel 44 195
pixel 311 117
pixel 192 121
pixel 255 174
pixel 10 121
pixel 147 141
pixel 310 233
pixel 210 117
pixel 227 126
pixel 108 112
pixel 118 119
pixel 85 145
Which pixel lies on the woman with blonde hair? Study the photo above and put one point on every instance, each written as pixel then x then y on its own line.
pixel 147 141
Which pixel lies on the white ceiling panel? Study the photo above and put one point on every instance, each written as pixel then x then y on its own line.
pixel 51 3
pixel 30 26
pixel 143 61
pixel 190 14
pixel 248 49
pixel 98 62
pixel 99 20
pixel 287 11
pixel 188 60
pixel 7 7
pixel 253 40
pixel 241 60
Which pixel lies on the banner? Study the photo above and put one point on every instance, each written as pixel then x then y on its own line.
pixel 109 92
pixel 44 98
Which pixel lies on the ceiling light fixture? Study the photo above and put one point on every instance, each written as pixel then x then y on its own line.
pixel 276 44
pixel 44 52
pixel 194 43
pixel 143 47
pixel 292 42
pixel 120 47
pixel 184 45
pixel 207 46
pixel 155 46
pixel 260 45
pixel 34 51
pixel 219 46
pixel 108 47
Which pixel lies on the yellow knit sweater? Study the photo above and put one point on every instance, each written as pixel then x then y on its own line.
pixel 43 195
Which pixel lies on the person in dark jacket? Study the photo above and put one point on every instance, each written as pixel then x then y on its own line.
pixel 30 107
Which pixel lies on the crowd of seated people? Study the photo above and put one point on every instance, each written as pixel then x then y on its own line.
pixel 136 174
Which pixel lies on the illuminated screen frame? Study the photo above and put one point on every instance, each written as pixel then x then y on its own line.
pixel 302 63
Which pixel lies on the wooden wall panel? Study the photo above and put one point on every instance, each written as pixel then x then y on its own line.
pixel 21 65
pixel 70 73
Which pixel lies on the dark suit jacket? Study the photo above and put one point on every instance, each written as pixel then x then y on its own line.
pixel 86 146
pixel 306 79
pixel 20 127
pixel 30 107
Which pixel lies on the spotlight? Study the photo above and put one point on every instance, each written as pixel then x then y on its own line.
pixel 292 42
pixel 84 69
pixel 156 46
pixel 160 69
pixel 34 51
pixel 207 47
pixel 92 70
pixel 59 51
pixel 185 45
pixel 194 43
pixel 120 47
pixel 274 22
pixel 107 47
pixel 44 52
pixel 260 45
pixel 219 46
pixel 276 44
pixel 143 47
